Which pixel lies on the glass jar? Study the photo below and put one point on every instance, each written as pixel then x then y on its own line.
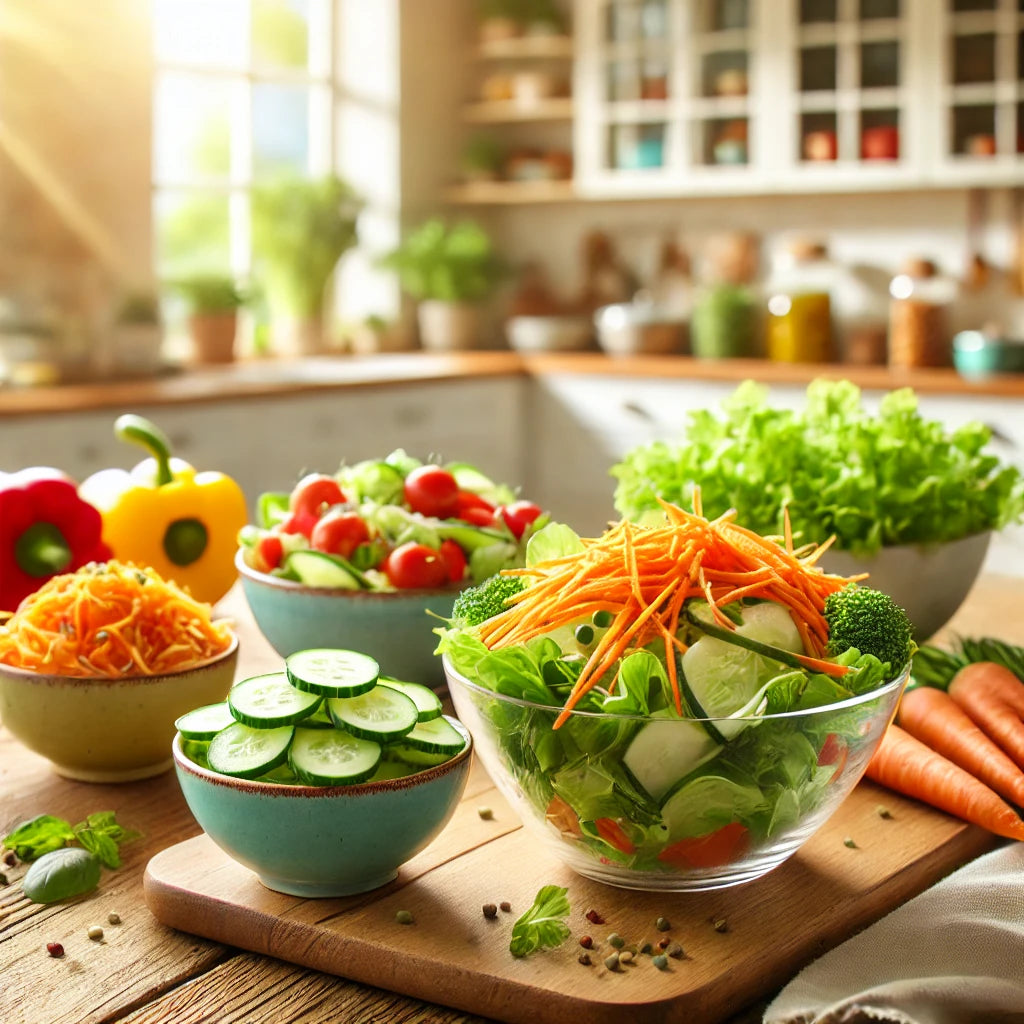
pixel 919 308
pixel 726 316
pixel 799 327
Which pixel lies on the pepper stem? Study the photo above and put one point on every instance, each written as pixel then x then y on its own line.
pixel 42 551
pixel 139 430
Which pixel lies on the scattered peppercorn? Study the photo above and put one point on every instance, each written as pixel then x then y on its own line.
pixel 403 917
pixel 664 943
pixel 584 958
pixel 661 962
pixel 616 941
pixel 612 962
pixel 586 942
pixel 662 925
pixel 646 947
pixel 850 843
pixel 10 858
pixel 95 933
pixel 676 951
pixel 485 812
pixel 626 956
pixel 721 925
pixel 594 917
pixel 490 910
pixel 55 949
pixel 506 906
pixel 883 812
pixel 114 918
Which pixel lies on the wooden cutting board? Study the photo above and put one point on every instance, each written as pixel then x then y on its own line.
pixel 741 944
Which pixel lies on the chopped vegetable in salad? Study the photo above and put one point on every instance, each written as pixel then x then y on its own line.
pixel 664 680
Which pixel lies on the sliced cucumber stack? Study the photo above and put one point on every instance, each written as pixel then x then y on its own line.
pixel 268 701
pixel 381 714
pixel 332 673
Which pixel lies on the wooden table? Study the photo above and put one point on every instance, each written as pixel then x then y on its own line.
pixel 146 972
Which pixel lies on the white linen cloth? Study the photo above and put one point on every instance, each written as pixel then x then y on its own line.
pixel 953 955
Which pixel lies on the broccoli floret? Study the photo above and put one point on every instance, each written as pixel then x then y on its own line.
pixel 485 600
pixel 870 621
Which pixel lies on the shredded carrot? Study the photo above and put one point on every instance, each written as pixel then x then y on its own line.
pixel 643 576
pixel 111 619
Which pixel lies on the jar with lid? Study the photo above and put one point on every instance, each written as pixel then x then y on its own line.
pixel 860 315
pixel 799 326
pixel 726 315
pixel 920 302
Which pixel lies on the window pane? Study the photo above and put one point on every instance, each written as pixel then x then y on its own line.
pixel 280 33
pixel 192 233
pixel 192 128
pixel 201 32
pixel 280 127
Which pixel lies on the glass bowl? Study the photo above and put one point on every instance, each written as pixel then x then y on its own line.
pixel 741 807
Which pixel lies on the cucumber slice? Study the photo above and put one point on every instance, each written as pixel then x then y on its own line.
pixel 270 701
pixel 331 672
pixel 374 480
pixel 665 750
pixel 388 770
pixel 469 537
pixel 332 757
pixel 246 753
pixel 469 478
pixel 204 723
pixel 428 704
pixel 403 753
pixel 380 714
pixel 319 569
pixel 438 736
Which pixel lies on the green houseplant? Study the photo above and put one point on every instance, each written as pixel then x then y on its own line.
pixel 449 270
pixel 300 229
pixel 136 334
pixel 213 301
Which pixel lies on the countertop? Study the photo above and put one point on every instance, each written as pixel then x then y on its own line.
pixel 146 973
pixel 268 377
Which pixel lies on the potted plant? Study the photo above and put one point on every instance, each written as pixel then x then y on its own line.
pixel 374 334
pixel 300 229
pixel 450 271
pixel 213 301
pixel 137 334
pixel 481 159
pixel 500 19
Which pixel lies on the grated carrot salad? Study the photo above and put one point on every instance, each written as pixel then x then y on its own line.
pixel 111 619
pixel 643 575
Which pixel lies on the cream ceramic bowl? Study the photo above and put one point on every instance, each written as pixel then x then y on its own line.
pixel 108 730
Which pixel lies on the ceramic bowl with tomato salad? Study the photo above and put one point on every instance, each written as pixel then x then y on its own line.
pixel 369 557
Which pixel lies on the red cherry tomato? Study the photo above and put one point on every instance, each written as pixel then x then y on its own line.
pixel 269 552
pixel 469 499
pixel 432 491
pixel 614 834
pixel 339 532
pixel 477 516
pixel 722 846
pixel 454 559
pixel 519 515
pixel 315 492
pixel 299 522
pixel 414 566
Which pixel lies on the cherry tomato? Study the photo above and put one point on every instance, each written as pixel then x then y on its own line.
pixel 339 532
pixel 519 515
pixel 315 492
pixel 470 499
pixel 432 491
pixel 614 834
pixel 720 847
pixel 413 566
pixel 454 559
pixel 299 522
pixel 268 552
pixel 477 516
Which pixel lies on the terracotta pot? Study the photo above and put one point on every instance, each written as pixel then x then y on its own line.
pixel 213 336
pixel 445 326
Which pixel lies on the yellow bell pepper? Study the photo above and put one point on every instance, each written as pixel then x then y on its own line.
pixel 165 515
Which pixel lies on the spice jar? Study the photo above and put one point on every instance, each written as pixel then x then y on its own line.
pixel 726 315
pixel 919 316
pixel 799 328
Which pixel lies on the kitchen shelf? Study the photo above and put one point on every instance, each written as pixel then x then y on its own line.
pixel 537 47
pixel 502 193
pixel 507 111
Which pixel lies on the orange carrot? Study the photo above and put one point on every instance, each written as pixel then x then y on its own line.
pixel 993 697
pixel 908 766
pixel 933 717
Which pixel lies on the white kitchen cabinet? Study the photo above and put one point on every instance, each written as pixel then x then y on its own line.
pixel 678 97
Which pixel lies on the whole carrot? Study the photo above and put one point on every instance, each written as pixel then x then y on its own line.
pixel 993 697
pixel 908 766
pixel 933 717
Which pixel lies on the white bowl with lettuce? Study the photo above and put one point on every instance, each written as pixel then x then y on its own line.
pixel 909 501
pixel 631 790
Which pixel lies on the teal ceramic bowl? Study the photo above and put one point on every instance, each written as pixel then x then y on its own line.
pixel 318 841
pixel 396 628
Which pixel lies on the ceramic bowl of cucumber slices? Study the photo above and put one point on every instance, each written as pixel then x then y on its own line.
pixel 372 556
pixel 325 777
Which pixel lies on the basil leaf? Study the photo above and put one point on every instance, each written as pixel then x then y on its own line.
pixel 39 836
pixel 101 845
pixel 61 874
pixel 543 925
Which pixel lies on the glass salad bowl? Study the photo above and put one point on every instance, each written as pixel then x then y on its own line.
pixel 659 802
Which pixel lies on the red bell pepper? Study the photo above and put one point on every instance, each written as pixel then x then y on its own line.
pixel 45 529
